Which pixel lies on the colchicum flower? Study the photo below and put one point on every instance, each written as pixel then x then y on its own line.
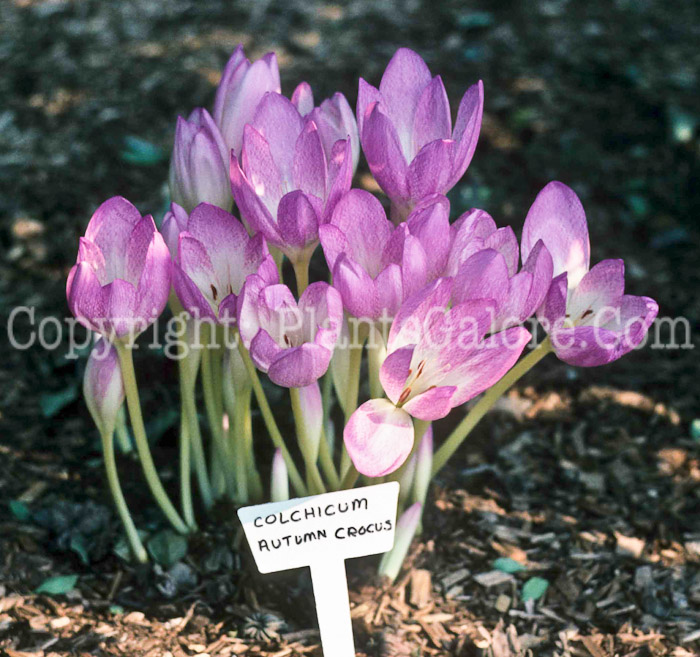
pixel 103 386
pixel 292 342
pixel 439 357
pixel 333 117
pixel 215 255
pixel 121 281
pixel 589 318
pixel 407 135
pixel 284 183
pixel 241 88
pixel 199 164
pixel 375 265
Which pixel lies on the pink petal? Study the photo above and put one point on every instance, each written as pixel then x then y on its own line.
pixel 429 172
pixel 553 309
pixel 383 152
pixel 85 298
pixel 467 129
pixel 298 220
pixel 602 287
pixel 505 242
pixel 367 95
pixel 309 170
pixel 430 223
pixel 539 264
pixel 483 276
pixel 558 219
pixel 153 286
pixel 394 372
pixel 300 366
pixel 378 437
pixel 303 98
pixel 432 404
pixel 432 119
pixel 402 85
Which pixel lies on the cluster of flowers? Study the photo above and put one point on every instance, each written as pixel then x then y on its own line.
pixel 441 305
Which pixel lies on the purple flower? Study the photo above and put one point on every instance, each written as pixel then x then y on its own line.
pixel 333 118
pixel 438 358
pixel 492 273
pixel 103 386
pixel 199 164
pixel 215 255
pixel 121 281
pixel 285 184
pixel 375 266
pixel 407 135
pixel 589 318
pixel 292 342
pixel 241 88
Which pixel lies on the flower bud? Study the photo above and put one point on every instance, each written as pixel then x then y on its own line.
pixel 103 386
pixel 199 164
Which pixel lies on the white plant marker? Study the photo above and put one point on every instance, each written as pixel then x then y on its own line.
pixel 321 532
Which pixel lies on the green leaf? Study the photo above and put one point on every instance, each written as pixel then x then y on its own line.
pixel 507 565
pixel 167 547
pixel 117 610
pixel 77 545
pixel 53 402
pixel 58 585
pixel 534 588
pixel 141 152
pixel 20 510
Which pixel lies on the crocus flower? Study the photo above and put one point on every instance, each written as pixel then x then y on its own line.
pixel 375 265
pixel 121 281
pixel 241 88
pixel 589 318
pixel 199 164
pixel 292 342
pixel 103 386
pixel 438 358
pixel 215 255
pixel 407 135
pixel 284 183
pixel 333 118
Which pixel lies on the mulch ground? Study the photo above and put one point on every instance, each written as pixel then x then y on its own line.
pixel 588 478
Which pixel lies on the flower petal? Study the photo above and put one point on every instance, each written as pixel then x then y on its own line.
pixel 558 219
pixel 602 287
pixel 309 170
pixel 300 366
pixel 505 242
pixel 432 404
pixel 432 119
pixel 378 437
pixel 303 98
pixel 297 219
pixel 483 276
pixel 467 129
pixel 429 172
pixel 395 370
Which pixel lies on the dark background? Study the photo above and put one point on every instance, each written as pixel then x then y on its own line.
pixel 601 95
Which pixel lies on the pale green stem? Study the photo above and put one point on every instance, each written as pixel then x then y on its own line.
pixel 236 413
pixel 301 272
pixel 122 433
pixel 351 395
pixel 313 476
pixel 186 474
pixel 491 396
pixel 220 472
pixel 189 410
pixel 144 451
pixel 269 419
pixel 376 352
pixel 349 478
pixel 115 488
pixel 326 460
pixel 257 491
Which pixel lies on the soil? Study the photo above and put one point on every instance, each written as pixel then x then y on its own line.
pixel 588 478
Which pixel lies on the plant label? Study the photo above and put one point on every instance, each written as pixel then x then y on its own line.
pixel 322 531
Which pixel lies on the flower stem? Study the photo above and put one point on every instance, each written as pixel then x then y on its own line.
pixel 149 469
pixel 235 408
pixel 132 534
pixel 269 419
pixel 254 480
pixel 376 353
pixel 189 410
pixel 219 467
pixel 313 476
pixel 122 433
pixel 351 394
pixel 349 478
pixel 186 474
pixel 301 272
pixel 326 460
pixel 491 396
